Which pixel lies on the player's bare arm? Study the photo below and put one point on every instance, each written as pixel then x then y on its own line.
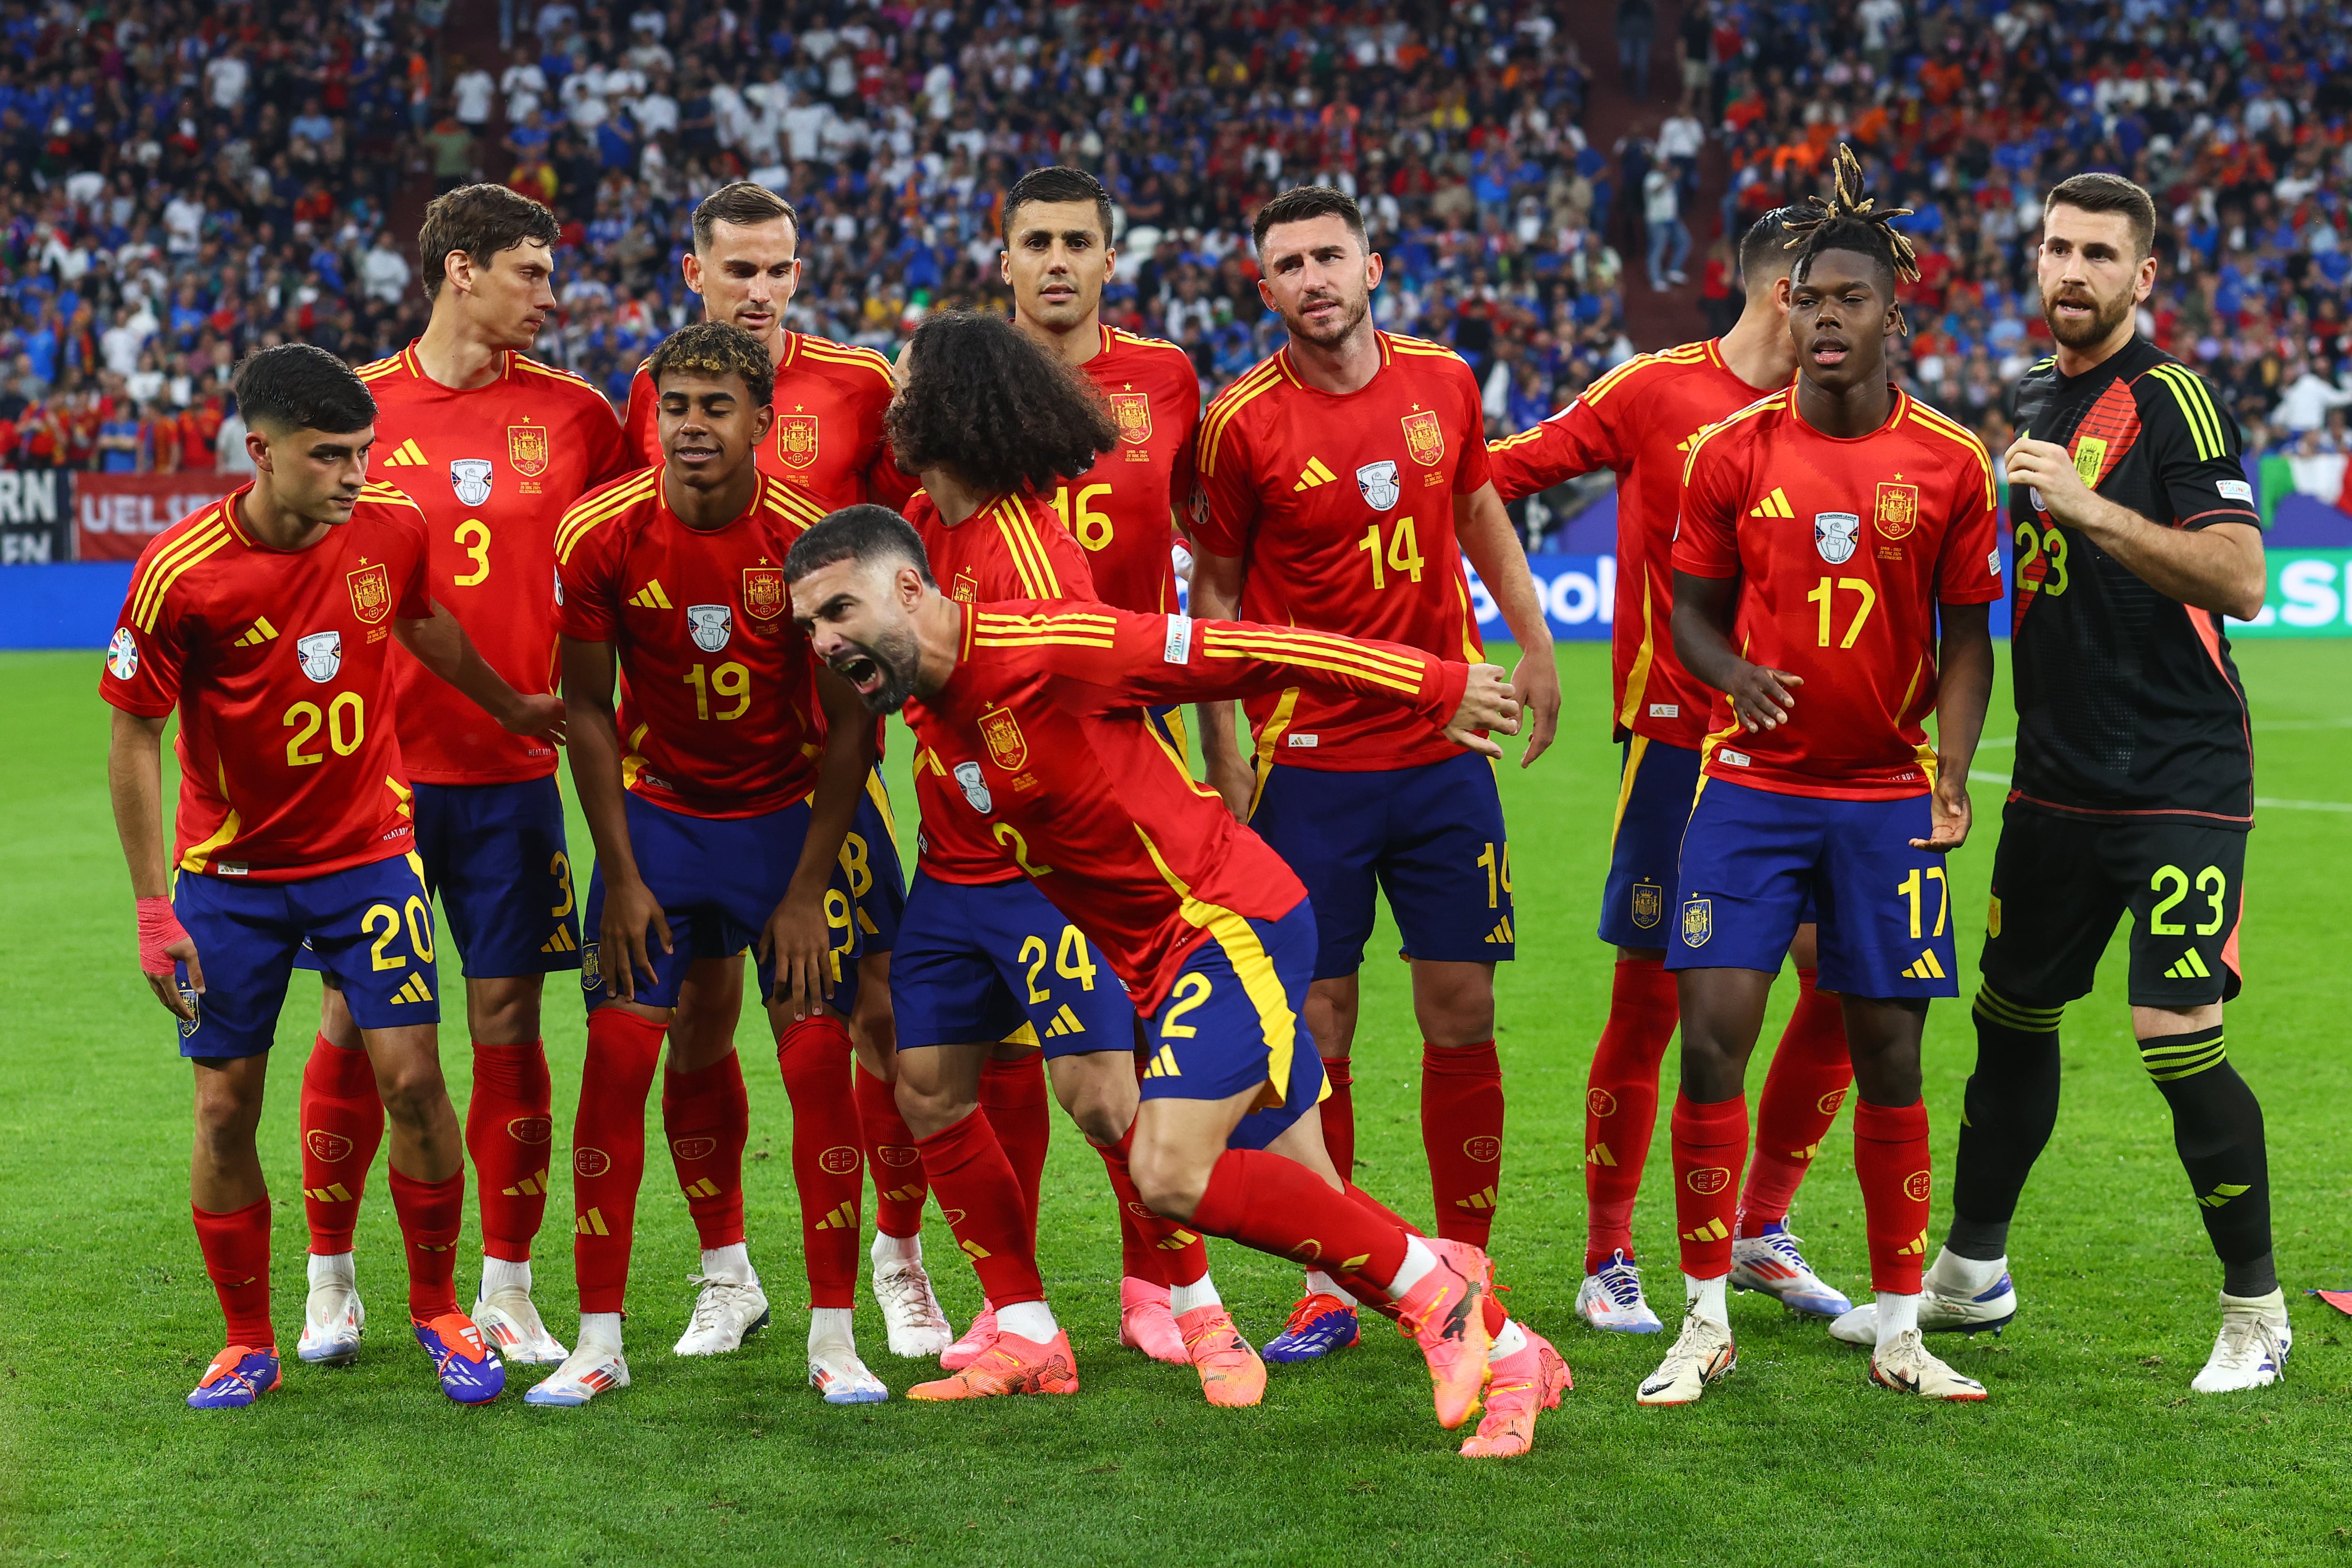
pixel 1963 691
pixel 2219 568
pixel 1217 596
pixel 134 778
pixel 441 645
pixel 1762 698
pixel 630 907
pixel 796 934
pixel 1484 529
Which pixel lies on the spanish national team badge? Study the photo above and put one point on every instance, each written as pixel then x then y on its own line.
pixel 1899 509
pixel 1649 903
pixel 1992 916
pixel 196 1006
pixel 471 477
pixel 2090 456
pixel 1007 747
pixel 764 592
pixel 796 439
pixel 975 787
pixel 1379 483
pixel 527 449
pixel 1133 412
pixel 370 592
pixel 712 624
pixel 967 588
pixel 321 655
pixel 1424 437
pixel 1699 922
pixel 590 977
pixel 1835 534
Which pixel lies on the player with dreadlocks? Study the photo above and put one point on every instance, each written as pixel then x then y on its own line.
pixel 1823 530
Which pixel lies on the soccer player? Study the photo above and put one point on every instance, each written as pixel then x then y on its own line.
pixel 1825 532
pixel 1211 934
pixel 718 819
pixel 1640 419
pixel 265 619
pixel 2135 534
pixel 826 445
pixel 1057 256
pixel 990 422
pixel 492 446
pixel 1345 480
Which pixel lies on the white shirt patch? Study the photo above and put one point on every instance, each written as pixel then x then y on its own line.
pixel 1735 759
pixel 1992 563
pixel 1178 648
pixel 2237 490
pixel 1665 709
pixel 1304 741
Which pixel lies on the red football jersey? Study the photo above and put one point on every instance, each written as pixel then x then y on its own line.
pixel 279 662
pixel 1120 508
pixel 1639 419
pixel 717 706
pixel 1844 548
pixel 1011 550
pixel 1094 807
pixel 1343 508
pixel 827 443
pixel 493 467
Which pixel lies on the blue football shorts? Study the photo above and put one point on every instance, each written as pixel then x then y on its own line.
pixel 978 963
pixel 877 881
pixel 1230 1022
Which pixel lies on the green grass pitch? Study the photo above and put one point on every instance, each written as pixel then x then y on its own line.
pixel 2090 1449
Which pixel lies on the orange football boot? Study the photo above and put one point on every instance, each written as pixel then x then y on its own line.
pixel 1444 1314
pixel 1518 1388
pixel 1011 1364
pixel 1230 1374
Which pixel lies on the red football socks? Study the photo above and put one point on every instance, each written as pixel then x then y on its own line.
pixel 1280 1207
pixel 1338 1111
pixel 430 1213
pixel 1710 1143
pixel 608 1150
pixel 1890 1161
pixel 1811 1070
pixel 985 1208
pixel 1621 1103
pixel 707 1117
pixel 342 1123
pixel 1152 1248
pixel 509 1123
pixel 827 1168
pixel 899 1186
pixel 1013 1096
pixel 236 1259
pixel 1461 1129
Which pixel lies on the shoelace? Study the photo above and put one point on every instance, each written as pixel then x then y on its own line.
pixel 1623 1282
pixel 2245 1342
pixel 903 1288
pixel 1214 1326
pixel 716 1294
pixel 1306 1312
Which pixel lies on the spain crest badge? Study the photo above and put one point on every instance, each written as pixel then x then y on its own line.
pixel 1649 903
pixel 527 449
pixel 1424 437
pixel 1133 412
pixel 1007 747
pixel 764 592
pixel 1699 922
pixel 1899 509
pixel 370 592
pixel 796 439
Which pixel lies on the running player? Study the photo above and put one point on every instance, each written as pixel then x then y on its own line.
pixel 991 421
pixel 1825 530
pixel 1057 257
pixel 2135 534
pixel 718 821
pixel 264 619
pixel 1345 480
pixel 492 446
pixel 826 445
pixel 1211 934
pixel 1640 420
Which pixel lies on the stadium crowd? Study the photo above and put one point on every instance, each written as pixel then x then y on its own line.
pixel 191 182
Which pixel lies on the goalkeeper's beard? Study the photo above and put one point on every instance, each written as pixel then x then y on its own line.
pixel 2105 316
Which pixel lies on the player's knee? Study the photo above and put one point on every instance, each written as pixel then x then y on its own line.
pixel 929 1103
pixel 413 1090
pixel 503 1010
pixel 227 1111
pixel 1169 1184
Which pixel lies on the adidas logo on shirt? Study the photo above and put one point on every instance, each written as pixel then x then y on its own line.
pixel 651 597
pixel 1312 475
pixel 261 632
pixel 1774 505
pixel 408 454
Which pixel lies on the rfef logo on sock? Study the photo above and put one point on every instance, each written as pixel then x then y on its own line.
pixel 590 1163
pixel 1708 1180
pixel 326 1145
pixel 1917 1186
pixel 695 1147
pixel 1483 1148
pixel 529 1129
pixel 1599 1102
pixel 839 1160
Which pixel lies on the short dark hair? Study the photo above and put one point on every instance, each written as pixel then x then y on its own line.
pixel 300 386
pixel 744 202
pixel 1303 201
pixel 995 408
pixel 1764 249
pixel 862 532
pixel 1057 184
pixel 2101 192
pixel 717 348
pixel 479 221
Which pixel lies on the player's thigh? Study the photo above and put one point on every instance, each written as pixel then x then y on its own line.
pixel 371 928
pixel 1068 996
pixel 1327 827
pixel 246 936
pixel 1655 783
pixel 1445 863
pixel 676 857
pixel 2185 888
pixel 1746 865
pixel 1886 928
pixel 945 986
pixel 504 875
pixel 1230 1025
pixel 2053 908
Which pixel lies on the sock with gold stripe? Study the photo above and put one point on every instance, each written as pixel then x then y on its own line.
pixel 2217 1129
pixel 707 1117
pixel 1013 1098
pixel 608 1150
pixel 828 1167
pixel 342 1125
pixel 2009 1110
pixel 986 1208
pixel 1462 1133
pixel 1710 1142
pixel 1891 1166
pixel 509 1129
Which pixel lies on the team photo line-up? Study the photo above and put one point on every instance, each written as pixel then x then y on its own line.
pixel 711 604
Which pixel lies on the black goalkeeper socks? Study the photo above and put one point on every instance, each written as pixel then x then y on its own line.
pixel 2010 1107
pixel 2217 1127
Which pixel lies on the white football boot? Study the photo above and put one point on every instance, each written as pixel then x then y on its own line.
pixel 724 1311
pixel 1906 1365
pixel 509 1321
pixel 835 1370
pixel 2253 1348
pixel 586 1373
pixel 910 1309
pixel 333 1320
pixel 1612 1299
pixel 1947 1304
pixel 1771 1264
pixel 1703 1353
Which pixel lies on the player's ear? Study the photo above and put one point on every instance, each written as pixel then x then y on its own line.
pixel 763 419
pixel 909 584
pixel 1004 268
pixel 1897 327
pixel 689 266
pixel 457 272
pixel 1374 268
